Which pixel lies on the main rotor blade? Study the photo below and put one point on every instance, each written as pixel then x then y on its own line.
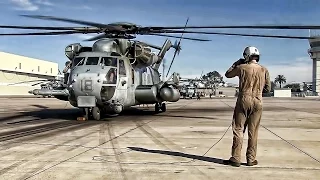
pixel 87 23
pixel 48 27
pixel 238 27
pixel 239 34
pixel 164 35
pixel 41 33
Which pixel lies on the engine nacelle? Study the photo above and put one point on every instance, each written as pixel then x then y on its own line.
pixel 72 50
pixel 146 94
pixel 144 55
pixel 169 94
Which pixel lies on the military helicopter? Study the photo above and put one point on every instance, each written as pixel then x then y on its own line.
pixel 117 71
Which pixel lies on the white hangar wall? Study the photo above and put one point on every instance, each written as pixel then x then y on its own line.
pixel 16 68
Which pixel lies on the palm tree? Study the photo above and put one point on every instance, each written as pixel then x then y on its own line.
pixel 280 79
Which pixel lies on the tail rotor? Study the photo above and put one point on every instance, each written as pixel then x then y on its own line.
pixel 177 47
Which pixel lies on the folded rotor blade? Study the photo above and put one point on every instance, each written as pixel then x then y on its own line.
pixel 164 35
pixel 238 27
pixel 87 23
pixel 41 33
pixel 27 82
pixel 239 34
pixel 36 83
pixel 47 27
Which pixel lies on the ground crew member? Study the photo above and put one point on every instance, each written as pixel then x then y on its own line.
pixel 253 81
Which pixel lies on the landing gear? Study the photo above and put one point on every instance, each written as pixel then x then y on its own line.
pixel 95 113
pixel 161 106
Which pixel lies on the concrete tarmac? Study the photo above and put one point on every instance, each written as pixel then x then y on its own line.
pixel 40 138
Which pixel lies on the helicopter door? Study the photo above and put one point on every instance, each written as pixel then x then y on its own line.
pixel 123 82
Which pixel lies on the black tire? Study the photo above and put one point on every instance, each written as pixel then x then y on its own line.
pixel 163 107
pixel 96 113
pixel 156 108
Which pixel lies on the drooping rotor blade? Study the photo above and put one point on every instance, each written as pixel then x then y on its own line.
pixel 27 82
pixel 165 35
pixel 87 23
pixel 47 27
pixel 41 33
pixel 239 34
pixel 238 27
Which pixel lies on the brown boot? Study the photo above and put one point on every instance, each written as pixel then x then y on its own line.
pixel 255 162
pixel 231 162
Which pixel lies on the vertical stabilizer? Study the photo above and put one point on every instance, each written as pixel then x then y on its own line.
pixel 166 46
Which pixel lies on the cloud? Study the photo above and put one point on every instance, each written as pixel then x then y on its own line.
pixel 83 7
pixel 84 36
pixel 26 5
pixel 44 2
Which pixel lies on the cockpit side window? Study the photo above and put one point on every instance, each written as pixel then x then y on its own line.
pixel 122 69
pixel 78 61
pixel 92 61
pixel 109 61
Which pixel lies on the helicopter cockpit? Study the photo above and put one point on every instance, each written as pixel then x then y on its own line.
pixel 95 74
pixel 102 61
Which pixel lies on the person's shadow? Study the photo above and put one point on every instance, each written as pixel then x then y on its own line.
pixel 180 154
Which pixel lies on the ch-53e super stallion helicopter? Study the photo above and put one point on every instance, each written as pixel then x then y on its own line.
pixel 117 72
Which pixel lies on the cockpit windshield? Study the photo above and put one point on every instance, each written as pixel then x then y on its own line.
pixel 109 61
pixel 78 61
pixel 92 61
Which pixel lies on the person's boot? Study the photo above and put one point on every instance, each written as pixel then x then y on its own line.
pixel 253 163
pixel 232 162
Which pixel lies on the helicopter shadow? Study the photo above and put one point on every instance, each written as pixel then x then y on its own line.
pixel 46 113
pixel 72 113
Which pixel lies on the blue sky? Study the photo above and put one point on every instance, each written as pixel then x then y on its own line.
pixel 280 56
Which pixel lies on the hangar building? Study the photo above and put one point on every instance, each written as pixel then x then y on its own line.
pixel 16 68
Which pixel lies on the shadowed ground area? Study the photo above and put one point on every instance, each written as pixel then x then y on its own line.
pixel 40 138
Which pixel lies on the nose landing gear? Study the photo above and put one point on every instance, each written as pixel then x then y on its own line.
pixel 94 112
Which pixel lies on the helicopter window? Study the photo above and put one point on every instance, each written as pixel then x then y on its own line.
pixel 78 61
pixel 122 69
pixel 115 54
pixel 111 76
pixel 92 61
pixel 109 61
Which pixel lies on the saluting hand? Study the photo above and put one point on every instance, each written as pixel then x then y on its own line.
pixel 240 61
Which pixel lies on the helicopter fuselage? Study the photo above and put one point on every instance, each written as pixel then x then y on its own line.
pixel 111 83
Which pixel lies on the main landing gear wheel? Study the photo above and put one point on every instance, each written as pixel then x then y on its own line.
pixel 161 106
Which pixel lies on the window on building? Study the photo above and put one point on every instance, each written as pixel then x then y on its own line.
pixel 51 70
pixel 19 65
pixel 38 68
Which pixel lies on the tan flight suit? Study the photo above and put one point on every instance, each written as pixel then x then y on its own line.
pixel 253 80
